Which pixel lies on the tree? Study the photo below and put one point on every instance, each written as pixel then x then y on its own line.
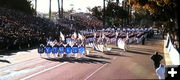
pixel 59 8
pixel 164 12
pixel 161 10
pixel 113 13
pixel 97 12
pixel 116 12
pixel 49 9
pixel 141 15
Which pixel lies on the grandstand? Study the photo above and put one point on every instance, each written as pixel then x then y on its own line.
pixel 23 30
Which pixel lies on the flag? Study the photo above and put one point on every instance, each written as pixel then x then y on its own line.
pixel 103 35
pixel 62 36
pixel 127 35
pixel 80 36
pixel 116 34
pixel 94 35
pixel 74 36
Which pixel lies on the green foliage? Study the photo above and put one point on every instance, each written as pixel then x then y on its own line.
pixel 97 12
pixel 141 13
pixel 113 13
pixel 142 17
pixel 164 13
pixel 22 5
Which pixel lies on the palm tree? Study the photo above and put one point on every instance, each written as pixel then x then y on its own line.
pixel 59 9
pixel 35 7
pixel 104 13
pixel 117 2
pixel 49 9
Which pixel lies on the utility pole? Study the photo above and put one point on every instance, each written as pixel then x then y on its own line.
pixel 49 9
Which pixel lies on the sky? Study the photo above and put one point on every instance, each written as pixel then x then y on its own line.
pixel 78 5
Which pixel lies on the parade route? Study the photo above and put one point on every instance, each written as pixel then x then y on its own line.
pixel 89 39
pixel 117 64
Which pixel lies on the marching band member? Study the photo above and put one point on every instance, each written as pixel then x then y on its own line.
pixel 41 49
pixel 97 39
pixel 75 50
pixel 55 50
pixel 61 50
pixel 48 50
pixel 68 50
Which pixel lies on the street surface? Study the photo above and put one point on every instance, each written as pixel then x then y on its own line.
pixel 117 64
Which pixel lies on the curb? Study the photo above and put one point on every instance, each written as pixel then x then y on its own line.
pixel 166 55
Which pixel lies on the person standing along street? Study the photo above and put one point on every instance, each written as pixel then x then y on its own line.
pixel 156 59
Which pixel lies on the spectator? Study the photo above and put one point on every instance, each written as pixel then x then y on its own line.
pixel 19 30
pixel 156 59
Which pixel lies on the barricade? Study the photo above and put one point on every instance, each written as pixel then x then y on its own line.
pixel 173 53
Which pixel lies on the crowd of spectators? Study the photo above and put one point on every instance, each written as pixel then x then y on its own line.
pixel 19 30
pixel 83 21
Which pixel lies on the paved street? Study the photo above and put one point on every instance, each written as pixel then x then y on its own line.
pixel 89 39
pixel 117 64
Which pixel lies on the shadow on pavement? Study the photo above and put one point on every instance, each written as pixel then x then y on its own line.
pixel 7 53
pixel 79 60
pixel 11 52
pixel 5 61
pixel 115 54
pixel 140 52
pixel 97 56
pixel 116 48
pixel 142 49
